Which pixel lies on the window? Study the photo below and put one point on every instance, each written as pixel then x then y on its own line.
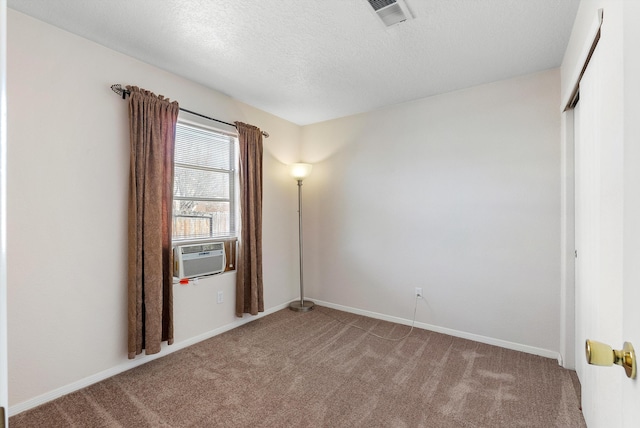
pixel 204 183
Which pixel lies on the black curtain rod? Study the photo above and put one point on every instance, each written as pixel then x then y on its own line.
pixel 118 89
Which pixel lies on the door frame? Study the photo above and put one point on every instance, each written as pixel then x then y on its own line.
pixel 567 199
pixel 4 395
pixel 631 317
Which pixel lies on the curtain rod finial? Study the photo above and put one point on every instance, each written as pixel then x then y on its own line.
pixel 118 89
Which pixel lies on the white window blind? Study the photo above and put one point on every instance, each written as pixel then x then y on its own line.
pixel 204 181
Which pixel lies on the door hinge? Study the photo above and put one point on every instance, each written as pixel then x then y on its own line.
pixel 576 254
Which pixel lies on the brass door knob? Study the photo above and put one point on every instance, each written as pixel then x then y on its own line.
pixel 600 354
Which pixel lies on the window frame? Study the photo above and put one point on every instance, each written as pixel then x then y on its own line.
pixel 233 198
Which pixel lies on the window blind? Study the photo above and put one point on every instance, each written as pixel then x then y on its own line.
pixel 204 180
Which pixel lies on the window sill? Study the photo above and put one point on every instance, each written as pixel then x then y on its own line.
pixel 196 280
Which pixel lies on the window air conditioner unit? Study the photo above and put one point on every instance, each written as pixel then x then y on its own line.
pixel 190 261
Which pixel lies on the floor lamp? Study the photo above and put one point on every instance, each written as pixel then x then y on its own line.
pixel 300 171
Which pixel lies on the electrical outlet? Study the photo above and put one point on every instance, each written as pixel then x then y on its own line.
pixel 418 292
pixel 220 296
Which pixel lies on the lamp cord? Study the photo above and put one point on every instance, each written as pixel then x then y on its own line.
pixel 415 307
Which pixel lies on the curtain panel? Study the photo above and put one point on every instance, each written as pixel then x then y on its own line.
pixel 249 289
pixel 152 121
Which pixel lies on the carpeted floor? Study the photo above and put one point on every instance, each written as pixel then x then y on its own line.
pixel 309 370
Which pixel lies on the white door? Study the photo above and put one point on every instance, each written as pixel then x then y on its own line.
pixel 607 153
pixel 596 240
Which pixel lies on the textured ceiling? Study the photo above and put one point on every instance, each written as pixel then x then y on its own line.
pixel 310 61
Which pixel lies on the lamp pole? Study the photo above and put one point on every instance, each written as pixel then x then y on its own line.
pixel 299 173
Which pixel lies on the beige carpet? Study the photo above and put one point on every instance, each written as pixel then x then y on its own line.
pixel 309 370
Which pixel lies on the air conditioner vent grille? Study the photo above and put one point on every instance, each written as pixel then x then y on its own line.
pixel 390 12
pixel 192 261
pixel 379 4
pixel 392 15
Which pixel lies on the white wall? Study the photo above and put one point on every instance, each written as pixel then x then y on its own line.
pixel 458 194
pixel 68 175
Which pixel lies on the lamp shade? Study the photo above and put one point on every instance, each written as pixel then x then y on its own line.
pixel 300 171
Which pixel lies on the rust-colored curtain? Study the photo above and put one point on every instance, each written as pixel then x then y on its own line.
pixel 152 126
pixel 249 294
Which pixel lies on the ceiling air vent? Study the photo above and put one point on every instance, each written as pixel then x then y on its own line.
pixel 390 12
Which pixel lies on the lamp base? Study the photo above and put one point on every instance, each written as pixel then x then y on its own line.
pixel 299 306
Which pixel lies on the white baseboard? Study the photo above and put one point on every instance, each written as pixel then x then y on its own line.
pixel 166 350
pixel 464 335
